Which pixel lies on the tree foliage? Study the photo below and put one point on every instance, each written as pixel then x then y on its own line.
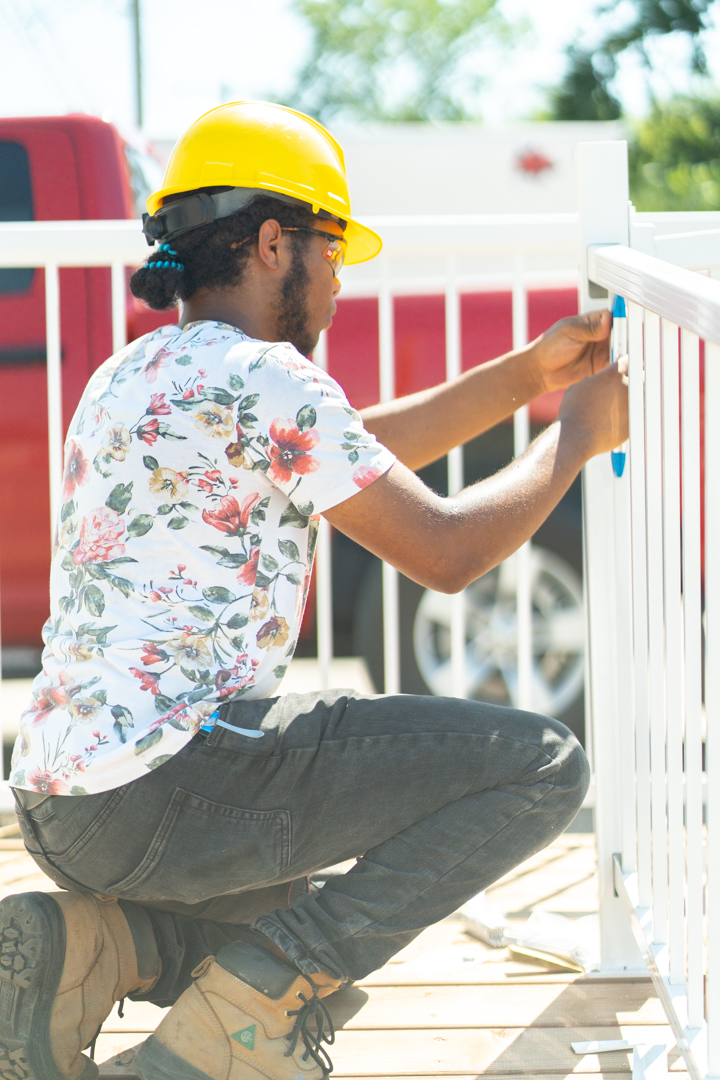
pixel 395 59
pixel 675 156
pixel 583 93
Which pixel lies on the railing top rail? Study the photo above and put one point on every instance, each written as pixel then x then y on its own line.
pixel 71 243
pixel 686 298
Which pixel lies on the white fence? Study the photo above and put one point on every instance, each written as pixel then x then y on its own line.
pixel 645 690
pixel 655 744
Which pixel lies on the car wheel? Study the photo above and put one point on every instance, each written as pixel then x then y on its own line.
pixel 491 636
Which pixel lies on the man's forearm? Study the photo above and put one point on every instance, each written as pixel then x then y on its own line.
pixel 422 427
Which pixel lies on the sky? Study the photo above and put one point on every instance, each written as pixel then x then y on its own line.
pixel 77 56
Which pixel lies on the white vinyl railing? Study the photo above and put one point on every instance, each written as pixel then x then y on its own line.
pixel 655 724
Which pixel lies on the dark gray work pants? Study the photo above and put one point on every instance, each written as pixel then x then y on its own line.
pixel 438 797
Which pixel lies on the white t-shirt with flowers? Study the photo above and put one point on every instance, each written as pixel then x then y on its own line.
pixel 196 466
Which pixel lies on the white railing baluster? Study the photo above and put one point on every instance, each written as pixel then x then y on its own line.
pixel 673 648
pixel 640 612
pixel 653 449
pixel 624 659
pixel 119 314
pixel 54 390
pixel 390 580
pixel 521 441
pixel 692 627
pixel 453 369
pixel 323 566
pixel 712 695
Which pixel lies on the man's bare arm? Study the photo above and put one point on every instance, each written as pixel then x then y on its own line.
pixel 422 427
pixel 445 544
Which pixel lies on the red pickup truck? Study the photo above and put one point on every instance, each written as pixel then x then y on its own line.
pixel 78 167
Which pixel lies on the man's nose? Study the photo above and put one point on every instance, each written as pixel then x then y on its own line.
pixel 337 286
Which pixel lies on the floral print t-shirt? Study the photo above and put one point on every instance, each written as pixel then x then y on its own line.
pixel 196 467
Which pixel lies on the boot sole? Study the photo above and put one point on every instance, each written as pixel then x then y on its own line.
pixel 156 1062
pixel 32 937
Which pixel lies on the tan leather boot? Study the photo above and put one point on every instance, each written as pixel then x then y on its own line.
pixel 248 1016
pixel 65 959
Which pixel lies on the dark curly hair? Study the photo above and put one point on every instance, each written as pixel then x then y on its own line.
pixel 204 257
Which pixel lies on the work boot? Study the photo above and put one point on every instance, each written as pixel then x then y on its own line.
pixel 246 1016
pixel 65 959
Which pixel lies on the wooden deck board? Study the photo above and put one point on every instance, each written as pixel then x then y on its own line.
pixel 449 1005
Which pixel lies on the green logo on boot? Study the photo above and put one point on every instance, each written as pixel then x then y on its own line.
pixel 246 1037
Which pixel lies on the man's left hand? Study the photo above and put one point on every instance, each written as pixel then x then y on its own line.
pixel 571 349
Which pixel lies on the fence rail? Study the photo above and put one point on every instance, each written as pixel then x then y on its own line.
pixel 654 715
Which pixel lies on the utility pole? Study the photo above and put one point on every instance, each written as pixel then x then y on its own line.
pixel 137 49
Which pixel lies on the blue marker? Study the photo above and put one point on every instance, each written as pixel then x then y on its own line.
pixel 618 348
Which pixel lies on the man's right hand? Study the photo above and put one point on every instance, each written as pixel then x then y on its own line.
pixel 596 409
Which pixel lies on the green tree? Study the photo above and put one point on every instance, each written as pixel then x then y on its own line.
pixel 675 156
pixel 583 92
pixel 395 59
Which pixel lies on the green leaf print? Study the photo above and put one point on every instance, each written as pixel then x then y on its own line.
pixel 67 603
pixel 119 498
pixel 306 417
pixel 67 511
pixel 353 457
pixel 76 789
pixel 202 613
pixel 232 561
pixel 235 382
pixel 68 563
pixel 280 671
pixel 237 621
pixel 295 579
pixel 121 584
pixel 151 463
pixel 94 600
pixel 184 360
pixel 290 550
pixel 163 704
pixel 217 594
pixel 306 508
pixel 352 435
pixel 218 395
pixel 122 715
pixel 164 509
pixel 269 563
pixel 248 402
pixel 220 552
pixel 149 740
pixel 293 516
pixel 262 581
pixel 141 524
pixel 178 522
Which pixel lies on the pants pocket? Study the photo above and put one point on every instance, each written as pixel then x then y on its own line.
pixel 203 849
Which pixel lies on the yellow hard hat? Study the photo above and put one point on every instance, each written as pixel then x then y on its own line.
pixel 256 147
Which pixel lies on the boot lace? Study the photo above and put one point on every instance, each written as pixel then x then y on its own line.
pixel 313 1009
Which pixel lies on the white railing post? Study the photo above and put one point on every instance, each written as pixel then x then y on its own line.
pixel 54 390
pixel 390 580
pixel 521 441
pixel 456 479
pixel 603 200
pixel 712 696
pixel 323 567
pixel 119 315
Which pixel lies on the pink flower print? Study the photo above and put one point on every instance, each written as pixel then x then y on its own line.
pixel 290 454
pixel 77 470
pixel 248 572
pixel 152 654
pixel 189 393
pixel 158 406
pixel 149 432
pixel 41 780
pixel 152 367
pixel 366 475
pixel 99 537
pixel 229 517
pixel 147 681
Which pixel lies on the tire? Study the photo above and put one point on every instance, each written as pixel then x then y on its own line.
pixel 491 664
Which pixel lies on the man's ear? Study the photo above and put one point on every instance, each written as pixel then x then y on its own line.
pixel 269 237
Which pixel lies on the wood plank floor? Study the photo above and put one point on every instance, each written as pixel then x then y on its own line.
pixel 448 1005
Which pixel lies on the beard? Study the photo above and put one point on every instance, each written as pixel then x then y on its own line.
pixel 292 323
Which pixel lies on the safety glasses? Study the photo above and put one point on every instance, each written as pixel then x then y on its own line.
pixel 334 252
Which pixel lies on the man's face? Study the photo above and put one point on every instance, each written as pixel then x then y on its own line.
pixel 306 304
